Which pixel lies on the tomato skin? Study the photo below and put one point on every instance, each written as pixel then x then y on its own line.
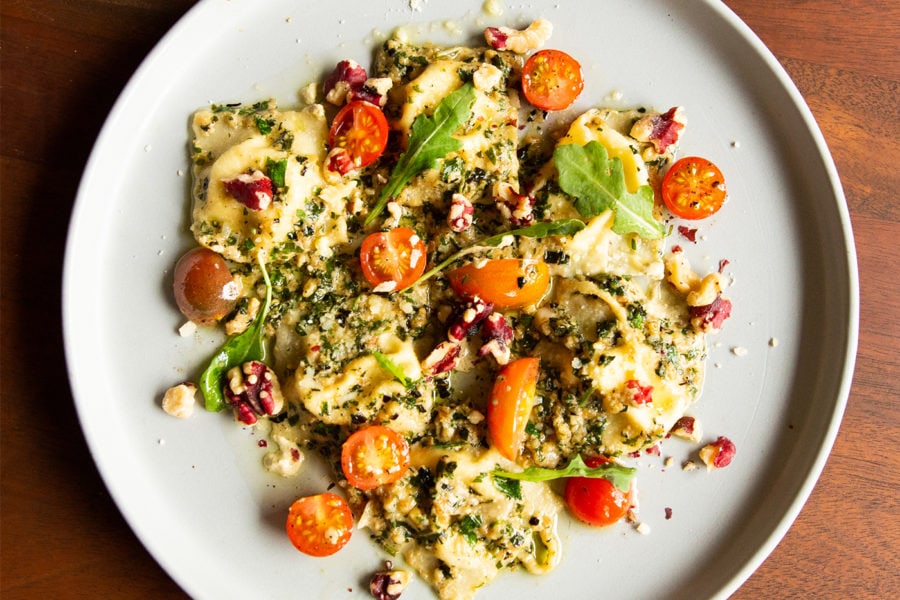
pixel 361 128
pixel 596 501
pixel 204 287
pixel 374 456
pixel 398 255
pixel 319 525
pixel 552 80
pixel 506 282
pixel 693 188
pixel 510 404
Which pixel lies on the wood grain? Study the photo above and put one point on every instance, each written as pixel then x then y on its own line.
pixel 63 64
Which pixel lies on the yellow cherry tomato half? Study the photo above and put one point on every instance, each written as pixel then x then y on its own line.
pixel 319 525
pixel 510 404
pixel 374 456
pixel 506 282
pixel 551 79
pixel 693 188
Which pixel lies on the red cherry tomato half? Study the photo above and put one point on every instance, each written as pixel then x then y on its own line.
pixel 396 256
pixel 319 525
pixel 506 282
pixel 374 456
pixel 693 188
pixel 205 290
pixel 510 404
pixel 551 79
pixel 362 130
pixel 596 501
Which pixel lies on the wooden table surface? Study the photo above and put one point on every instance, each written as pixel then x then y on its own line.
pixel 63 64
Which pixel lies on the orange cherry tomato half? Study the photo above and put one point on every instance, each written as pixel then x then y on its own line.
pixel 510 405
pixel 319 525
pixel 693 188
pixel 362 129
pixel 507 282
pixel 596 501
pixel 204 288
pixel 374 456
pixel 551 79
pixel 396 256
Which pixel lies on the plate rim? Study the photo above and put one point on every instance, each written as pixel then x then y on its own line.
pixel 850 267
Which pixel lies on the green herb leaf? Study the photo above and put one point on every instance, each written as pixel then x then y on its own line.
pixel 276 170
pixel 393 368
pixel 510 487
pixel 616 474
pixel 237 349
pixel 431 138
pixel 468 527
pixel 538 230
pixel 598 183
pixel 264 125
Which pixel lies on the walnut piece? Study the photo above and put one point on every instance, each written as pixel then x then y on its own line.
pixel 179 400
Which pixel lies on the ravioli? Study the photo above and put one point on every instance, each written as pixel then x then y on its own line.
pixel 349 356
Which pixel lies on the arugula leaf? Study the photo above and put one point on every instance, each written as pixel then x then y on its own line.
pixel 393 368
pixel 538 230
pixel 237 349
pixel 510 487
pixel 598 183
pixel 431 138
pixel 616 474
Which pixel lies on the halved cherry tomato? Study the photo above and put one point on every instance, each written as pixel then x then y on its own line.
pixel 507 282
pixel 205 290
pixel 396 256
pixel 596 501
pixel 374 456
pixel 693 188
pixel 319 525
pixel 551 79
pixel 510 405
pixel 361 129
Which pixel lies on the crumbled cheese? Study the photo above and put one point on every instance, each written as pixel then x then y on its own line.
pixel 187 329
pixel 739 351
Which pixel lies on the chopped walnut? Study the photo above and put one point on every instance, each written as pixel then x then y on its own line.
pixel 662 130
pixel 475 311
pixel 718 454
pixel 347 76
pixel 709 318
pixel 687 428
pixel 519 41
pixel 374 91
pixel 253 190
pixel 388 584
pixel 179 400
pixel 442 359
pixel 518 208
pixel 707 307
pixel 497 334
pixel 253 391
pixel 339 161
pixel 461 213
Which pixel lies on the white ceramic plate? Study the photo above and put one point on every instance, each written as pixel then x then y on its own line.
pixel 195 491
